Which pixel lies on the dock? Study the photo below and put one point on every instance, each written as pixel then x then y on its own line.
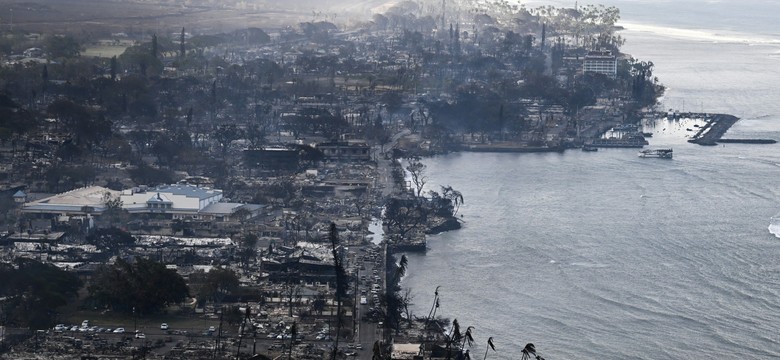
pixel 713 130
pixel 717 124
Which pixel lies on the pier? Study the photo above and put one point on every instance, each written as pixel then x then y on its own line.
pixel 713 130
pixel 717 124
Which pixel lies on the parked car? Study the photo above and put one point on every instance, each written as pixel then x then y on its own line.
pixel 164 326
pixel 119 330
pixel 140 336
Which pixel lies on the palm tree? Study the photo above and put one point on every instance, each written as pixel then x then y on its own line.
pixel 431 315
pixel 341 286
pixel 435 305
pixel 489 346
pixel 529 352
pixel 467 339
pixel 293 334
pixel 453 337
pixel 377 351
pixel 401 270
pixel 391 296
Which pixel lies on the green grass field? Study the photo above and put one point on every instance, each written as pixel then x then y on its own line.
pixel 103 51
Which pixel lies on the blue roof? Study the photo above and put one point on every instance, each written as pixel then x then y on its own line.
pixel 19 193
pixel 189 191
pixel 157 198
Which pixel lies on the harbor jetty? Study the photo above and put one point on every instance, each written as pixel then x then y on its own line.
pixel 713 130
pixel 747 141
pixel 716 125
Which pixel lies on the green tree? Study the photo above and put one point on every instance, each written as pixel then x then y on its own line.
pixel 145 174
pixel 113 67
pixel 215 284
pixel 110 239
pixel 13 117
pixel 402 216
pixel 144 285
pixel 416 170
pixel 454 196
pixel 154 46
pixel 182 50
pixel 62 46
pixel 33 291
pixel 140 58
pixel 225 135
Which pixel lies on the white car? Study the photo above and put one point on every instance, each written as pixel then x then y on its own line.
pixel 140 336
pixel 119 330
pixel 164 326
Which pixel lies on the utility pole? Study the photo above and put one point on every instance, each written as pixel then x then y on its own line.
pixel 219 333
pixel 442 13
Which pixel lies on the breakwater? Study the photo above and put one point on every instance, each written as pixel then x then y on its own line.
pixel 713 130
pixel 747 141
pixel 716 126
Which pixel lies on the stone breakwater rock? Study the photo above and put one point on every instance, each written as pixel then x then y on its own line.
pixel 448 224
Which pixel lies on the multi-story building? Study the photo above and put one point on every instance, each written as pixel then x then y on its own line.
pixel 602 62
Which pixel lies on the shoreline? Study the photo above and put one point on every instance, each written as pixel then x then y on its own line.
pixel 708 135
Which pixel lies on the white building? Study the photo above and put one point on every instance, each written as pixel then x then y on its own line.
pixel 602 62
pixel 176 201
pixel 77 202
pixel 179 200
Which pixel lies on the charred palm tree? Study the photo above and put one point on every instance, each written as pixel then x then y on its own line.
pixel 529 352
pixel 431 315
pixel 341 284
pixel 452 338
pixel 400 270
pixel 377 351
pixel 489 346
pixel 393 300
pixel 293 334
pixel 435 305
pixel 467 339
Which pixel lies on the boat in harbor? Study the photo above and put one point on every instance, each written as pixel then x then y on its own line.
pixel 589 148
pixel 656 153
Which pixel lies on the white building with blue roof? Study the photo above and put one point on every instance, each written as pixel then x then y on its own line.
pixel 179 200
pixel 176 201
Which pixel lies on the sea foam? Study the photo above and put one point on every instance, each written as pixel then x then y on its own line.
pixel 709 35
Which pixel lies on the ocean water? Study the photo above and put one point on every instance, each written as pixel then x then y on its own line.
pixel 609 256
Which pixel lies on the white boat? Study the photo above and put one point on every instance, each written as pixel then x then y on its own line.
pixel 656 153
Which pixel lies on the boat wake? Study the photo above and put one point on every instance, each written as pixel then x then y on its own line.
pixel 774 225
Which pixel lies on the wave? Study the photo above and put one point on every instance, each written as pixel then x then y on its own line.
pixel 774 225
pixel 709 35
pixel 775 230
